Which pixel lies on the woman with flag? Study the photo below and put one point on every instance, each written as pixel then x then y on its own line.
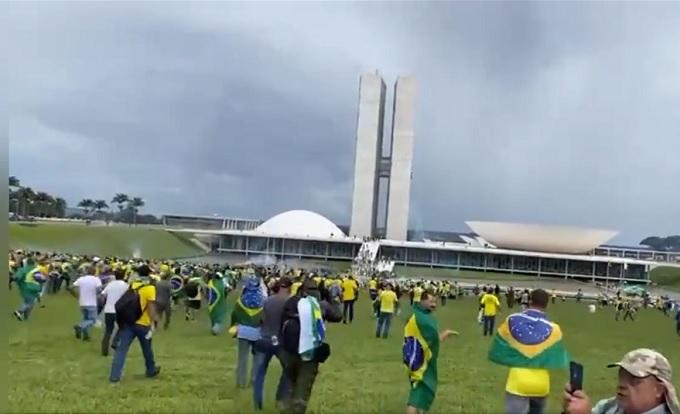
pixel 420 352
pixel 530 345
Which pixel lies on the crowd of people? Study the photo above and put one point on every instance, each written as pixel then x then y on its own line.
pixel 282 314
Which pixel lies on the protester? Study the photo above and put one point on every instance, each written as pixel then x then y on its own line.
pixel 677 320
pixel 29 281
pixel 112 292
pixel 491 305
pixel 246 318
pixel 88 289
pixel 142 328
pixel 217 302
pixel 163 295
pixel 269 345
pixel 421 351
pixel 303 348
pixel 644 387
pixel 389 304
pixel 530 345
pixel 349 296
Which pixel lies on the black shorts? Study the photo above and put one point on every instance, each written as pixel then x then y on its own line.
pixel 193 304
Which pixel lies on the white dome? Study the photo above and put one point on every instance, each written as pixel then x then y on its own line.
pixel 535 237
pixel 300 223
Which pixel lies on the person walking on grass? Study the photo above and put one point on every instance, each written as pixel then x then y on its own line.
pixel 246 318
pixel 490 307
pixel 88 288
pixel 420 353
pixel 28 280
pixel 530 345
pixel 388 305
pixel 112 292
pixel 350 288
pixel 136 313
pixel 269 345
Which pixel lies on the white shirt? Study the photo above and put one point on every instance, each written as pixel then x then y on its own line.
pixel 113 291
pixel 88 286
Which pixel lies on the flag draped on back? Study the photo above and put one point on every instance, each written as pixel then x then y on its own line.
pixel 529 340
pixel 217 306
pixel 312 328
pixel 421 347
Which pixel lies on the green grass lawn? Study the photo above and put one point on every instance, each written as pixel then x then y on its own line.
pixel 119 241
pixel 50 371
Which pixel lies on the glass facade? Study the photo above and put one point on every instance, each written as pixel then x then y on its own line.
pixel 433 257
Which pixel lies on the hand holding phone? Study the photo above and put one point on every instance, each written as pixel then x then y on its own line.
pixel 575 376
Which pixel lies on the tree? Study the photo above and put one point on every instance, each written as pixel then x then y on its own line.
pixel 134 205
pixel 25 196
pixel 14 181
pixel 43 204
pixel 670 243
pixel 120 199
pixel 87 205
pixel 99 205
pixel 60 207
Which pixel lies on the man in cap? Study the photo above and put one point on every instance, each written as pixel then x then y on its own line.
pixel 645 387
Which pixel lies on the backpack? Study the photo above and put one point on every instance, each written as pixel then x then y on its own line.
pixel 128 308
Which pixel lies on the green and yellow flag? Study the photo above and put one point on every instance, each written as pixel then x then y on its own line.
pixel 529 340
pixel 421 348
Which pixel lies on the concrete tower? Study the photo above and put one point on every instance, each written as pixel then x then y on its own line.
pixel 367 155
pixel 403 121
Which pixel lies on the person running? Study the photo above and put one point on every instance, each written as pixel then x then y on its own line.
pixel 389 304
pixel 112 292
pixel 163 297
pixel 88 287
pixel 350 289
pixel 246 318
pixel 141 329
pixel 28 280
pixel 420 353
pixel 630 311
pixel 619 306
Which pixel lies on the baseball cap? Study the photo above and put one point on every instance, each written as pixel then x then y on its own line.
pixel 644 362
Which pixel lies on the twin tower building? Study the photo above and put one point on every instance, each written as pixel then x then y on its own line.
pixel 378 171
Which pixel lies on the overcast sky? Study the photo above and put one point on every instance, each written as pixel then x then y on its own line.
pixel 562 113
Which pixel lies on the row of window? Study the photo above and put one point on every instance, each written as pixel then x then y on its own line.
pixel 430 257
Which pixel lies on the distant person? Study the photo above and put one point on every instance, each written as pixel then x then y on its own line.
pixel 350 289
pixel 510 297
pixel 491 305
pixel 528 383
pixel 645 386
pixel 524 299
pixel 579 295
pixel 677 320
pixel 88 289
pixel 112 292
pixel 163 296
pixel 142 328
pixel 421 352
pixel 247 318
pixel 553 296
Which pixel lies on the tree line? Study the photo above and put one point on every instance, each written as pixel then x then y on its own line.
pixel 25 202
pixel 669 243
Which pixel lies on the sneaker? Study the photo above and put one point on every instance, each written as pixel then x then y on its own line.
pixel 78 331
pixel 155 373
pixel 19 316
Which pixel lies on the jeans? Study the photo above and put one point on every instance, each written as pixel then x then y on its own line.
pixel 301 376
pixel 348 311
pixel 109 325
pixel 384 322
pixel 245 349
pixel 489 322
pixel 264 351
pixel 27 306
pixel 126 335
pixel 89 318
pixel 515 404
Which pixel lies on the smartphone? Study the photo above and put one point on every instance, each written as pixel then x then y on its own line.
pixel 575 376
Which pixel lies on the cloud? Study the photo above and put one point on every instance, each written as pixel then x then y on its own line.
pixel 536 112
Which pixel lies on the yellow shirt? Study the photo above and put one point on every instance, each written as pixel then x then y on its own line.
pixel 528 382
pixel 147 294
pixel 349 287
pixel 491 304
pixel 388 301
pixel 417 294
pixel 294 288
pixel 373 284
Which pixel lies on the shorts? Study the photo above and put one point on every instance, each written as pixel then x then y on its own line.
pixel 420 397
pixel 193 304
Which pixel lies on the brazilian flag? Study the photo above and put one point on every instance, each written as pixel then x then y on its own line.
pixel 217 306
pixel 529 340
pixel 176 284
pixel 420 353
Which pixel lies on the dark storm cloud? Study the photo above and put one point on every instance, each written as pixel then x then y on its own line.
pixel 554 113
